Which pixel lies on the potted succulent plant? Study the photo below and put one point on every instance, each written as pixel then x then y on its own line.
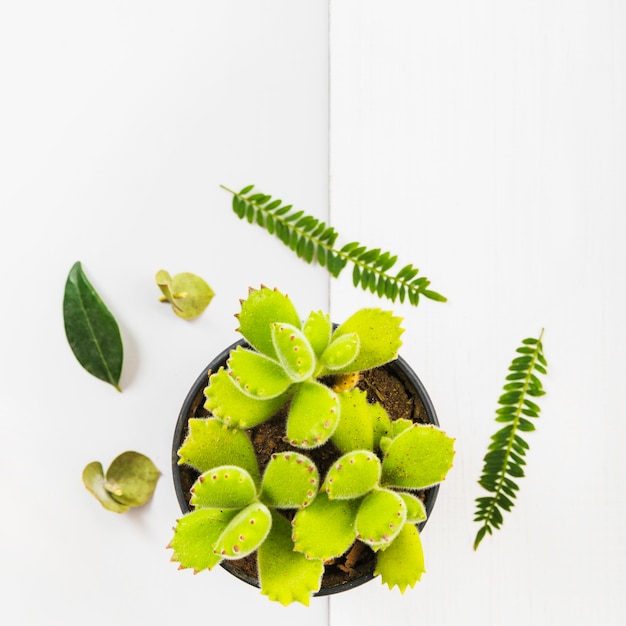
pixel 292 467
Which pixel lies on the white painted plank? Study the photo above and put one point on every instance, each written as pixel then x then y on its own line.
pixel 485 142
pixel 118 123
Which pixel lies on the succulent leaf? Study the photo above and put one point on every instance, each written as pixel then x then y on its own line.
pixel 245 532
pixel 132 478
pixel 379 335
pixel 263 307
pixel 402 563
pixel 399 426
pixel 310 429
pixel 352 475
pixel 325 528
pixel 355 429
pixel 341 352
pixel 317 329
pixel 380 422
pixel 415 510
pixel 226 400
pixel 195 535
pixel 224 487
pixel 293 351
pixel 209 443
pixel 286 575
pixel 419 457
pixel 381 516
pixel 290 481
pixel 93 479
pixel 256 374
pixel 188 294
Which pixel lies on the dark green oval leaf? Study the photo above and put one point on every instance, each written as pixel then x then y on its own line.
pixel 91 329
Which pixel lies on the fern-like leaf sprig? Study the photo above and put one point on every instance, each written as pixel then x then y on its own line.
pixel 313 240
pixel 504 461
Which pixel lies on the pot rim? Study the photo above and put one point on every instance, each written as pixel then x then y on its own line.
pixel 400 367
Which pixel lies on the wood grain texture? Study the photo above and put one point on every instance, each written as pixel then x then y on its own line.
pixel 485 142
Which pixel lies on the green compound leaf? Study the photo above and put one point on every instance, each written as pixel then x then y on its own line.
pixel 418 458
pixel 341 352
pixel 226 400
pixel 293 351
pixel 317 329
pixel 312 240
pixel 290 481
pixel 352 475
pixel 245 532
pixel 224 487
pixel 286 575
pixel 259 310
pixel 381 516
pixel 91 329
pixel 310 429
pixel 132 478
pixel 209 443
pixel 93 479
pixel 195 536
pixel 188 294
pixel 402 563
pixel 379 333
pixel 325 529
pixel 256 374
pixel 505 457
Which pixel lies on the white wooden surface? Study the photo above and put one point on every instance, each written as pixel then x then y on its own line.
pixel 483 141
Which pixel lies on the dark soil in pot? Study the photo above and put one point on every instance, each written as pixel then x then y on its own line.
pixel 398 390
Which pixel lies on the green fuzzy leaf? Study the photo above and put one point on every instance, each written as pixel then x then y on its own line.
pixel 93 479
pixel 256 374
pixel 290 481
pixel 402 563
pixel 317 329
pixel 132 478
pixel 91 329
pixel 380 422
pixel 223 487
pixel 418 458
pixel 286 575
pixel 355 430
pixel 325 529
pixel 226 400
pixel 352 475
pixel 415 510
pixel 310 429
pixel 209 443
pixel 379 337
pixel 195 536
pixel 341 352
pixel 245 532
pixel 399 426
pixel 381 516
pixel 293 350
pixel 263 307
pixel 188 294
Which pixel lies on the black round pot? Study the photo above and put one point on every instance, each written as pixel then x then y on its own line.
pixel 193 407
